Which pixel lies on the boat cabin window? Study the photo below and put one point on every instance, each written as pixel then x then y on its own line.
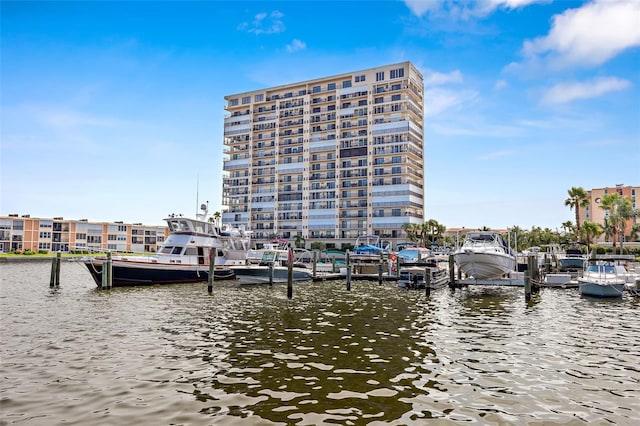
pixel 191 251
pixel 176 250
pixel 166 249
pixel 178 225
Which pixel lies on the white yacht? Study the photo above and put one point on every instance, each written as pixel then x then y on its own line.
pixel 485 255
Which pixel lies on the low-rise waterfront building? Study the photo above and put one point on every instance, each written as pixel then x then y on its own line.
pixel 594 213
pixel 23 232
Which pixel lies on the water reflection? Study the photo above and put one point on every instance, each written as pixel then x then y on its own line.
pixel 375 354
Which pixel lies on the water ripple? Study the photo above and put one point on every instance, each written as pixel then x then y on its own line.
pixel 373 355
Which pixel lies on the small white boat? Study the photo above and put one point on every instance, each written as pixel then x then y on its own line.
pixel 272 266
pixel 601 280
pixel 413 277
pixel 485 255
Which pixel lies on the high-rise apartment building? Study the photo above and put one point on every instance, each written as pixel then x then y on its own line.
pixel 327 159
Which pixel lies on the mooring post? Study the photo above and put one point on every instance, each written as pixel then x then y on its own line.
pixel 535 274
pixel 427 282
pixel 348 272
pixel 58 267
pixel 109 271
pixel 271 268
pixel 452 272
pixel 554 260
pixel 212 269
pixel 527 286
pixel 290 275
pixel 103 283
pixel 54 267
pixel 315 262
pixel 380 268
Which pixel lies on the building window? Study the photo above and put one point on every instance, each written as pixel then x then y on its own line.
pixel 398 73
pixel 380 76
pixel 246 100
pixel 346 83
pixel 258 98
pixel 396 212
pixel 395 97
pixel 331 86
pixel 316 89
pixel 360 78
pixel 233 102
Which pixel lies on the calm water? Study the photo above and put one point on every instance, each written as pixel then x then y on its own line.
pixel 374 355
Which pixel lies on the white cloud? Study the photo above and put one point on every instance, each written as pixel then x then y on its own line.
pixel 500 84
pixel 589 35
pixel 437 101
pixel 420 7
pixel 567 92
pixel 264 23
pixel 464 9
pixel 433 78
pixel 296 45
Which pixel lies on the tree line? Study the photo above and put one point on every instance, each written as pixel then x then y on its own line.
pixel 619 210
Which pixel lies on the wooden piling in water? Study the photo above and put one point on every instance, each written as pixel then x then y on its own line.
pixel 427 282
pixel 290 275
pixel 380 263
pixel 54 281
pixel 452 272
pixel 212 269
pixel 535 275
pixel 271 267
pixel 348 277
pixel 527 286
pixel 315 262
pixel 107 273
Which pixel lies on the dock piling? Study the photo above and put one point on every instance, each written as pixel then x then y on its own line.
pixel 527 286
pixel 107 273
pixel 212 269
pixel 380 268
pixel 290 275
pixel 55 271
pixel 452 272
pixel 348 277
pixel 427 282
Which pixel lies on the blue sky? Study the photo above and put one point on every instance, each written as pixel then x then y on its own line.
pixel 114 110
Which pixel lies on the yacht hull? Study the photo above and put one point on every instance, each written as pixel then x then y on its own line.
pixel 131 273
pixel 485 266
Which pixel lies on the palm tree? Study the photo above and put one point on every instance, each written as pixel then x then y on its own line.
pixel 216 217
pixel 620 210
pixel 591 230
pixel 299 240
pixel 578 198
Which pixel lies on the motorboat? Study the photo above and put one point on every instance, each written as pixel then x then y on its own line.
pixel 270 264
pixel 413 276
pixel 184 257
pixel 411 255
pixel 601 280
pixel 485 255
pixel 369 248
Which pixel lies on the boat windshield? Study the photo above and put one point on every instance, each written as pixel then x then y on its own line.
pixel 606 269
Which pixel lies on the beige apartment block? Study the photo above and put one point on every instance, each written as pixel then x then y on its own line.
pixel 327 159
pixel 594 213
pixel 21 233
